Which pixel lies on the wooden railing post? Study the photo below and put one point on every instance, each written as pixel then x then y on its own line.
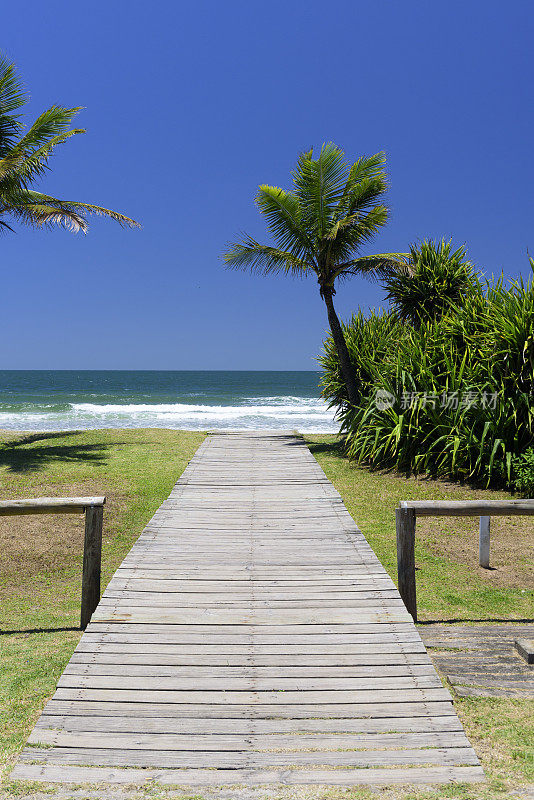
pixel 405 524
pixel 484 542
pixel 92 556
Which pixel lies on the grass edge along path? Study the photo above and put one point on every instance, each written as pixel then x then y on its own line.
pixel 452 587
pixel 40 568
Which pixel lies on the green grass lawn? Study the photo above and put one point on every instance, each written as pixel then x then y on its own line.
pixel 41 568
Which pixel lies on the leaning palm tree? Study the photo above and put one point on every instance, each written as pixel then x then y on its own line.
pixel 319 228
pixel 24 157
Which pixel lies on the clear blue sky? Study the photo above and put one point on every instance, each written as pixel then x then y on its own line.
pixel 189 106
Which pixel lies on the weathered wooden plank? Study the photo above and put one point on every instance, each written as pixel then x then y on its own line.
pixel 257 727
pixel 483 668
pixel 200 684
pixel 487 666
pixel 132 602
pixel 52 773
pixel 478 691
pixel 224 594
pixel 250 671
pixel 261 616
pixel 138 644
pixel 524 684
pixel 367 707
pixel 250 759
pixel 254 572
pixel 251 698
pixel 246 658
pixel 202 588
pixel 285 633
pixel 243 743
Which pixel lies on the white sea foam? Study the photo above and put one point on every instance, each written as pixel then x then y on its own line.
pixel 308 415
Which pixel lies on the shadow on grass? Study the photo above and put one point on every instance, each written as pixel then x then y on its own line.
pixel 38 630
pixel 335 448
pixel 19 456
pixel 522 621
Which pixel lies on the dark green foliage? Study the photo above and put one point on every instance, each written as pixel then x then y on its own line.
pixel 435 281
pixel 524 473
pixel 471 373
pixel 371 342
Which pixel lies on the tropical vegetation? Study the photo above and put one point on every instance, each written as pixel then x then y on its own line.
pixel 319 228
pixel 435 280
pixel 24 159
pixel 442 388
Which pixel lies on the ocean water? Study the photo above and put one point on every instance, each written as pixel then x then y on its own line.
pixel 69 400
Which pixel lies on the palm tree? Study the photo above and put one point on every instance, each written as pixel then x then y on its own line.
pixel 319 227
pixel 24 159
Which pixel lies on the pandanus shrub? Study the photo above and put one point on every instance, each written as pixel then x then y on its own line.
pixel 435 280
pixel 452 396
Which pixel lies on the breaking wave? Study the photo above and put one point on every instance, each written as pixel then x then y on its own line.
pixel 308 415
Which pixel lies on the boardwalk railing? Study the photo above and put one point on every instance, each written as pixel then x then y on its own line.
pixel 93 508
pixel 407 514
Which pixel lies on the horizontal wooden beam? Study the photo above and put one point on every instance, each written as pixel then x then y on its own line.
pixel 469 508
pixel 50 505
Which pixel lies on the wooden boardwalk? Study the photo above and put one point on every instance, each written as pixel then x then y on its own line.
pixel 481 660
pixel 251 636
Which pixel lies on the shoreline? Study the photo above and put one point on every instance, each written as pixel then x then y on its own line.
pixel 67 431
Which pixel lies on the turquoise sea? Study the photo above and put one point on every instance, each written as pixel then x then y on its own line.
pixel 69 400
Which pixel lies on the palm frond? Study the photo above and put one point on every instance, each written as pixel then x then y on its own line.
pixel 12 97
pixel 365 194
pixel 319 185
pixel 4 226
pixel 284 219
pixel 44 215
pixel 264 260
pixel 362 214
pixel 364 170
pixel 75 206
pixel 358 231
pixel 375 266
pixel 50 123
pixel 21 167
pixel 38 209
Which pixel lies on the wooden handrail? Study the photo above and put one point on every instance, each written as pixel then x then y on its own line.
pixel 93 508
pixel 49 505
pixel 469 508
pixel 407 514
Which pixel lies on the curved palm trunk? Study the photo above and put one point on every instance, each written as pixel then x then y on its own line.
pixel 341 347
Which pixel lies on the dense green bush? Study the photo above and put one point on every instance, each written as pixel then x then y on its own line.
pixel 435 280
pixel 455 395
pixel 524 473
